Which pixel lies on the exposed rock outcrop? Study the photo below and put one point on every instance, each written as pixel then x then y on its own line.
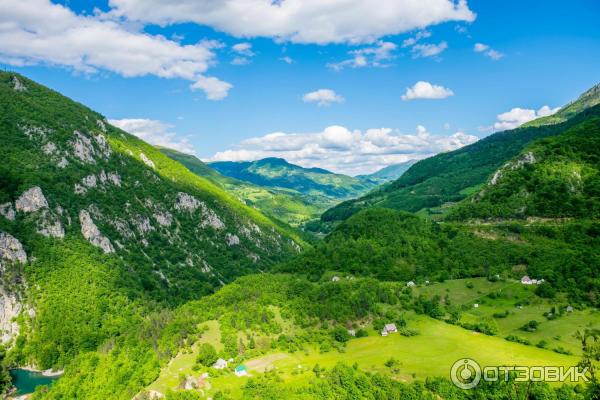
pixel 163 218
pixel 83 148
pixel 90 231
pixel 10 308
pixel 31 200
pixel 210 218
pixel 62 163
pixel 147 161
pixel 143 225
pixel 49 148
pixel 34 132
pixel 7 211
pixel 90 181
pixel 527 158
pixel 18 85
pixel 49 225
pixel 11 249
pixel 114 178
pixel 101 125
pixel 186 202
pixel 232 240
pixel 103 145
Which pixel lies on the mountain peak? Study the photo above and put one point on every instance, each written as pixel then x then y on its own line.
pixel 587 99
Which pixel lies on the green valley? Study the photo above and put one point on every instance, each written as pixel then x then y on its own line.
pixel 138 272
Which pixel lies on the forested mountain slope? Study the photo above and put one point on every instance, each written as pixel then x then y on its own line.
pixel 287 205
pixel 556 177
pixel 98 228
pixel 451 177
pixel 398 246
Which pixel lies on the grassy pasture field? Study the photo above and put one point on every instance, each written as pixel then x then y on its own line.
pixel 522 306
pixel 431 353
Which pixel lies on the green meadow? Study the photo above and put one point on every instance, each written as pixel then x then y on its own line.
pixel 520 306
pixel 431 353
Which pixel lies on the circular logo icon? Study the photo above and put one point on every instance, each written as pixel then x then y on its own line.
pixel 465 373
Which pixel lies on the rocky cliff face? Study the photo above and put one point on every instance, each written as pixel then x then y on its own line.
pixel 11 254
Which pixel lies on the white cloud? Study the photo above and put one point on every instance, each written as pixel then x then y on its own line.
pixel 300 21
pixel 480 47
pixel 487 51
pixel 40 32
pixel 494 54
pixel 413 40
pixel 323 97
pixel 425 90
pixel 240 61
pixel 154 132
pixel 518 116
pixel 287 60
pixel 428 50
pixel 372 56
pixel 244 48
pixel 214 88
pixel 244 53
pixel 340 149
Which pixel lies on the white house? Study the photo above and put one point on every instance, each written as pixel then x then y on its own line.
pixel 411 284
pixel 526 280
pixel 335 279
pixel 569 309
pixel 351 332
pixel 388 328
pixel 220 364
pixel 476 305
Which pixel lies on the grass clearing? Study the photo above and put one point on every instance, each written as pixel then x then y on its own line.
pixel 431 353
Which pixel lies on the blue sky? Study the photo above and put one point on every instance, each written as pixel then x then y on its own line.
pixel 233 79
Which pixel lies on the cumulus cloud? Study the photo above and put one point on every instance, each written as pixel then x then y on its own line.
pixel 214 88
pixel 300 21
pixel 244 53
pixel 154 132
pixel 518 116
pixel 373 56
pixel 340 149
pixel 40 32
pixel 413 40
pixel 287 60
pixel 425 90
pixel 323 97
pixel 244 48
pixel 428 49
pixel 487 51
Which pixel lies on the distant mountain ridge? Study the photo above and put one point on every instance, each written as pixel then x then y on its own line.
pixel 277 172
pixel 286 205
pixel 389 173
